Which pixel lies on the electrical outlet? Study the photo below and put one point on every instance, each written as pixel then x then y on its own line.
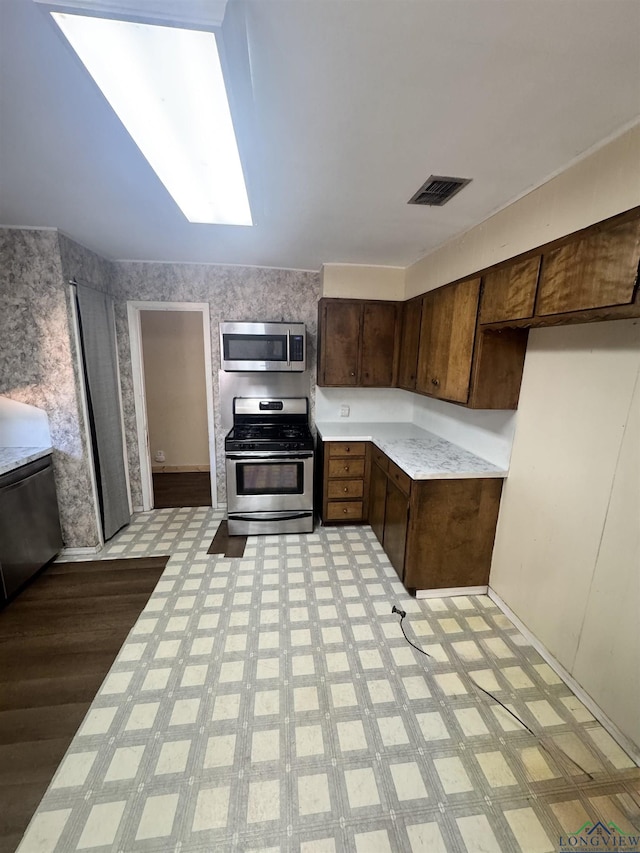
pixel 344 411
pixel 159 456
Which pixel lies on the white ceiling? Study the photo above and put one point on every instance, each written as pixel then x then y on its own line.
pixel 356 103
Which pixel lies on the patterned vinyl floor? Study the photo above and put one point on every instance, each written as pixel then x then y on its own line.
pixel 271 703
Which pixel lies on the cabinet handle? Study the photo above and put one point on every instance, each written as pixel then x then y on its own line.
pixel 353 373
pixel 435 382
pixel 346 488
pixel 346 467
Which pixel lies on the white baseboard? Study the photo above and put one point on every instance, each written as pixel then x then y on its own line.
pixel 450 591
pixel 622 740
pixel 139 509
pixel 88 551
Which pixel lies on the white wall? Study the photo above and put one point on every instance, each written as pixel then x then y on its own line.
pixel 488 434
pixel 367 405
pixel 567 556
pixel 355 281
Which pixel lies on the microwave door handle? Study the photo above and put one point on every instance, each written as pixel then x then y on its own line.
pixel 288 347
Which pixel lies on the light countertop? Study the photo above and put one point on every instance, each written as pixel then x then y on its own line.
pixel 14 457
pixel 419 453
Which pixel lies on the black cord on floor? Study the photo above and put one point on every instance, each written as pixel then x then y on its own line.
pixel 403 613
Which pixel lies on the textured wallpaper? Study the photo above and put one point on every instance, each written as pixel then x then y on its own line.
pixel 37 365
pixel 233 293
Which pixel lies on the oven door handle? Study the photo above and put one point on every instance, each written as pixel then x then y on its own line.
pixel 276 455
pixel 235 516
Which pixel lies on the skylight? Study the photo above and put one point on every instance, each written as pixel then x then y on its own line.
pixel 165 84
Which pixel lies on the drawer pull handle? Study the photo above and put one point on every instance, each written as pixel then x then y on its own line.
pixel 346 488
pixel 346 467
pixel 345 510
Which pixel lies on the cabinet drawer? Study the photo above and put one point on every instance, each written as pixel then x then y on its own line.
pixel 346 467
pixel 341 510
pixel 346 448
pixel 402 480
pixel 341 489
pixel 379 458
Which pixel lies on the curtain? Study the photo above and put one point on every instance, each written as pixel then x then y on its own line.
pixel 95 310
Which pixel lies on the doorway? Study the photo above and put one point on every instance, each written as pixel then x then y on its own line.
pixel 171 360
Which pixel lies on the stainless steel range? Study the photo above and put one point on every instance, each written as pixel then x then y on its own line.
pixel 269 461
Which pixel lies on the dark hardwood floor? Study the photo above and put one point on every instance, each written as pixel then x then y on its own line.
pixel 189 488
pixel 58 639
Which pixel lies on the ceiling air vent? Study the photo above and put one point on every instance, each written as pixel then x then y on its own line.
pixel 437 190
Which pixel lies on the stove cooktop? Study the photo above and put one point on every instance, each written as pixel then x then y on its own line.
pixel 270 425
pixel 268 437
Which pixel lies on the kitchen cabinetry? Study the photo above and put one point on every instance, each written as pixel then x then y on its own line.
pixel 378 492
pixel 583 278
pixel 345 481
pixel 409 343
pixel 447 335
pixel 437 533
pixel 594 271
pixel 357 342
pixel 461 363
pixel 29 524
pixel 509 292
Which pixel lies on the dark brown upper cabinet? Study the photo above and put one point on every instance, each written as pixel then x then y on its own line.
pixel 409 343
pixel 509 293
pixel 447 336
pixel 357 342
pixel 595 271
pixel 339 342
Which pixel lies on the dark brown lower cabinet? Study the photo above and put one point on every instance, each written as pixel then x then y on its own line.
pixel 437 534
pixel 377 500
pixel 452 528
pixel 396 517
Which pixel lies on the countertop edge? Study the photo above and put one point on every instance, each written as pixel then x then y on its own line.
pixel 20 456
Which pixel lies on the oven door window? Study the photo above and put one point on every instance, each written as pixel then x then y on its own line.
pixel 270 478
pixel 255 347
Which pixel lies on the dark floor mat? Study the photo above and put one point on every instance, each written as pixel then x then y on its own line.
pixel 230 546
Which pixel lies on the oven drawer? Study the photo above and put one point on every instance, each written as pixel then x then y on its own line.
pixel 346 468
pixel 344 510
pixel 343 489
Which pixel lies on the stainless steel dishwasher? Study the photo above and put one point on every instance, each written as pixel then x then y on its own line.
pixel 29 523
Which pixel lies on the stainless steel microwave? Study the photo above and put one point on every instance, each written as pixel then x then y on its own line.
pixel 263 346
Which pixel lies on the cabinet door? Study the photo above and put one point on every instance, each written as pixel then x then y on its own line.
pixel 409 341
pixel 340 342
pixel 596 271
pixel 510 293
pixel 447 335
pixel 377 500
pixel 396 518
pixel 453 524
pixel 378 343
